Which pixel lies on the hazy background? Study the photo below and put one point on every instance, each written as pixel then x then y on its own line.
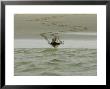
pixel 32 25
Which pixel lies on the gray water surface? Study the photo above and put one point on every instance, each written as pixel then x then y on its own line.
pixel 55 62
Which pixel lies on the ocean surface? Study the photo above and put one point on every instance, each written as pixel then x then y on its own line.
pixel 55 62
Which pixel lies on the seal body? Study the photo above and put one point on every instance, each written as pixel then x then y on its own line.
pixel 55 44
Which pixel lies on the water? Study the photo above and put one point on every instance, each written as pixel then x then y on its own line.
pixel 71 40
pixel 55 62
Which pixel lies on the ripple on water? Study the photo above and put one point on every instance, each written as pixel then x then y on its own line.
pixel 55 62
pixel 49 74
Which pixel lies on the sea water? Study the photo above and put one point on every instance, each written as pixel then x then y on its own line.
pixel 76 57
pixel 55 62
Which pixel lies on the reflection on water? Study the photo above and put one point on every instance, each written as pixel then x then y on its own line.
pixel 55 62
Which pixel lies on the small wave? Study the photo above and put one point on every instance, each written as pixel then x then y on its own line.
pixel 55 62
pixel 52 63
pixel 76 64
pixel 49 74
pixel 50 50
